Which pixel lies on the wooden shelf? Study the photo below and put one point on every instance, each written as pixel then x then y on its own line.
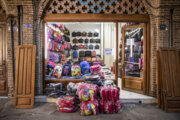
pixel 132 62
pixel 63 80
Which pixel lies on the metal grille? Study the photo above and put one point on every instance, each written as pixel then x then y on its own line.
pixel 96 7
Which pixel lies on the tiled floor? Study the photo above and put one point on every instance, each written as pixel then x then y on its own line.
pixel 131 95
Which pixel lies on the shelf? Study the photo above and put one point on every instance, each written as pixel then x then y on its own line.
pixel 63 80
pixel 131 62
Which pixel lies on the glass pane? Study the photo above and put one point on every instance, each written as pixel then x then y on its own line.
pixel 134 52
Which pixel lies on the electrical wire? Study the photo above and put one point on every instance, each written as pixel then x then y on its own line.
pixel 147 1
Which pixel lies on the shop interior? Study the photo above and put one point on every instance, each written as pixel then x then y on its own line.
pixel 70 47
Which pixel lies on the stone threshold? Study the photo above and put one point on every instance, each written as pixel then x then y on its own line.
pixel 123 100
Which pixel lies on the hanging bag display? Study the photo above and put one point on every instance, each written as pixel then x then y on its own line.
pixel 97 47
pixel 73 34
pixel 97 40
pixel 85 67
pixel 84 34
pixel 91 46
pixel 90 34
pixel 93 53
pixel 80 40
pixel 75 47
pixel 66 69
pixel 91 40
pixel 81 46
pixel 86 40
pixel 81 54
pixel 96 34
pixel 87 53
pixel 78 34
pixel 75 40
pixel 76 70
pixel 75 54
pixel 58 71
pixel 85 46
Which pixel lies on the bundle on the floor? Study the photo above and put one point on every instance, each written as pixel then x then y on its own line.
pixel 109 107
pixel 67 104
pixel 88 95
pixel 109 93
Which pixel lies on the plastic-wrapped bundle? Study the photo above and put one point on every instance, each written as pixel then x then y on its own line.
pixel 109 107
pixel 96 70
pixel 55 90
pixel 66 104
pixel 109 82
pixel 87 86
pixel 72 87
pixel 66 99
pixel 67 109
pixel 94 79
pixel 109 93
pixel 117 106
pixel 89 108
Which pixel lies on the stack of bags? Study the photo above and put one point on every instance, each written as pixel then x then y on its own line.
pixel 88 95
pixel 55 90
pixel 94 79
pixel 96 70
pixel 67 104
pixel 109 102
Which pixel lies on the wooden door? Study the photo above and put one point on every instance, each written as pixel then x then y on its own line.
pixel 25 76
pixel 134 58
pixel 3 80
pixel 168 79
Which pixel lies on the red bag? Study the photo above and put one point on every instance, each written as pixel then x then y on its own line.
pixel 117 106
pixel 67 109
pixel 101 106
pixel 67 99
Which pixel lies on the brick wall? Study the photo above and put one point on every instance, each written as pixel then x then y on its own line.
pixel 159 38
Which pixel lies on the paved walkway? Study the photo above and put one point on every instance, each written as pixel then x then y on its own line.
pixel 47 111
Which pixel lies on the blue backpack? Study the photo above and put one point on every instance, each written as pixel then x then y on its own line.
pixel 66 69
pixel 85 67
pixel 75 54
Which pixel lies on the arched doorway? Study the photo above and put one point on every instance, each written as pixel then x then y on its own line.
pixel 125 11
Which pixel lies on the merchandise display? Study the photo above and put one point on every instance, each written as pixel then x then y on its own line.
pixel 67 104
pixel 65 47
pixel 134 52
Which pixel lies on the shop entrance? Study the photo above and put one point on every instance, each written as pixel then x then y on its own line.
pixel 132 52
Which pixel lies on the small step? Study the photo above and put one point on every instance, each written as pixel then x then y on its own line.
pixel 143 101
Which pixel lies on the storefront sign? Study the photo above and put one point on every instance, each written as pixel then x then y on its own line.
pixel 27 25
pixel 162 27
pixel 108 51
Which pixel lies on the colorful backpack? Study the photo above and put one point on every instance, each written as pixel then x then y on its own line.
pixel 62 47
pixel 50 46
pixel 75 54
pixel 66 69
pixel 85 67
pixel 93 53
pixel 65 45
pixel 76 70
pixel 58 71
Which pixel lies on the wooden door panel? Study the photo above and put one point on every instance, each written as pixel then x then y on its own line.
pixel 133 84
pixel 3 87
pixel 169 79
pixel 130 82
pixel 25 76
